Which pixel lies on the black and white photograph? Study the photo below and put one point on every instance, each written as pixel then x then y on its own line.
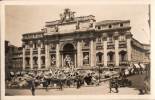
pixel 97 49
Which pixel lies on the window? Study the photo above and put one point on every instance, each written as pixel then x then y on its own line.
pixel 110 56
pixel 27 46
pixel 99 27
pixel 121 24
pixel 42 45
pixel 121 38
pixel 43 60
pixel 99 57
pixel 35 60
pixel 99 40
pixel 123 56
pixel 110 38
pixel 110 26
pixel 27 61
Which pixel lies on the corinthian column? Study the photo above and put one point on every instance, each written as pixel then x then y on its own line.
pixel 79 58
pixel 39 55
pixel 47 64
pixel 129 36
pixel 23 58
pixel 116 35
pixel 91 53
pixel 116 51
pixel 105 50
pixel 57 55
pixel 31 55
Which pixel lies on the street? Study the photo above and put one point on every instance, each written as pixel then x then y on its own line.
pixel 94 90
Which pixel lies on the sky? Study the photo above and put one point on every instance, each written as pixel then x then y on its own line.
pixel 20 19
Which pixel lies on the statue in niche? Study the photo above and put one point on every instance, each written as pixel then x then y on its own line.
pixel 68 61
pixel 53 60
pixel 86 58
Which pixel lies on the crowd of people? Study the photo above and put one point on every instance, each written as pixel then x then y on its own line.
pixel 52 78
pixel 60 78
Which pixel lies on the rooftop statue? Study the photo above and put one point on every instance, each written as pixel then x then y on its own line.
pixel 67 15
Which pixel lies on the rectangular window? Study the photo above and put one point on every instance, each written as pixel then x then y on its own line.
pixel 122 38
pixel 110 39
pixel 99 40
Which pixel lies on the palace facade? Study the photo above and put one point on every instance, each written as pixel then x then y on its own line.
pixel 81 42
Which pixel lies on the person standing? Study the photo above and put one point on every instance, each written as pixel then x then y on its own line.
pixel 33 87
pixel 110 85
pixel 46 84
pixel 116 85
pixel 78 82
pixel 60 84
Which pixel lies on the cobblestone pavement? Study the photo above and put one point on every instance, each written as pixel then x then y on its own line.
pixel 103 89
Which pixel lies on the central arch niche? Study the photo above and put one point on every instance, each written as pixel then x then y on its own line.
pixel 68 55
pixel 68 47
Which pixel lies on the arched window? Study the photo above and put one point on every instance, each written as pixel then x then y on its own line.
pixel 110 56
pixel 35 60
pixel 99 56
pixel 122 55
pixel 43 60
pixel 27 60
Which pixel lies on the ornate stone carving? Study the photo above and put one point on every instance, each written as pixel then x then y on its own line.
pixel 85 43
pixel 67 15
pixel 68 61
pixel 53 60
pixel 53 46
pixel 86 58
